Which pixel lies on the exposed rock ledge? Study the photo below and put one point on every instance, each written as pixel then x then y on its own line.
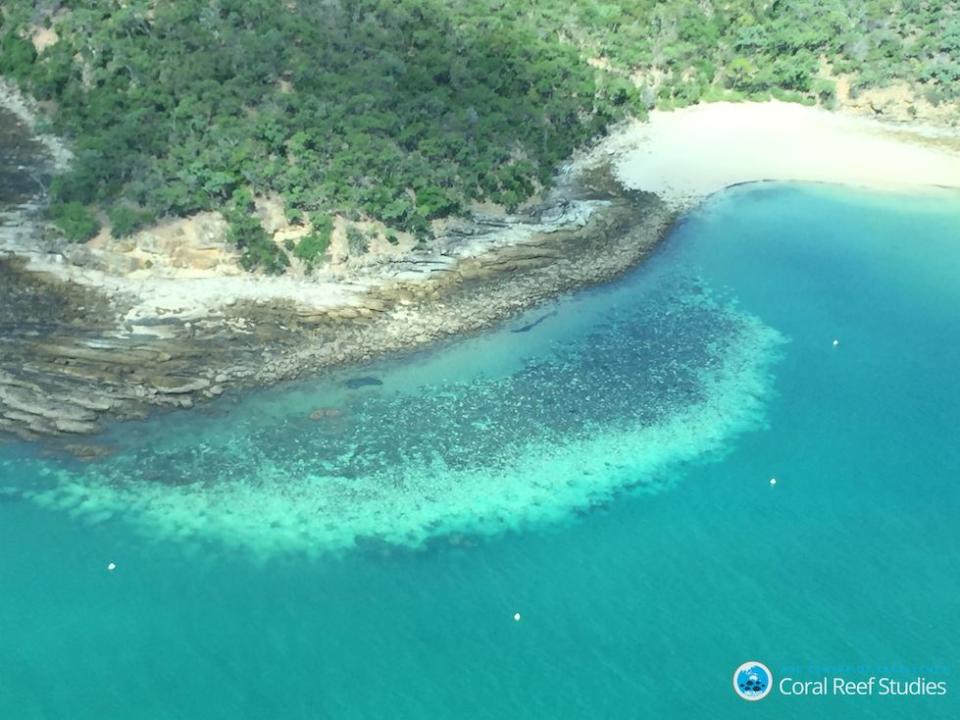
pixel 83 339
pixel 80 345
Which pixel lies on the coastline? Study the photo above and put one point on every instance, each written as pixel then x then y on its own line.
pixel 132 346
pixel 689 154
pixel 141 341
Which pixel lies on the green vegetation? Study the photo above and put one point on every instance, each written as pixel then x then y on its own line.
pixel 75 221
pixel 17 56
pixel 312 246
pixel 257 249
pixel 357 243
pixel 125 220
pixel 408 110
pixel 396 111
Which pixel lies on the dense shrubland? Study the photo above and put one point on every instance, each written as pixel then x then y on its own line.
pixel 407 110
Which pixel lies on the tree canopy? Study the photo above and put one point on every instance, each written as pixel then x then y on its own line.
pixel 408 110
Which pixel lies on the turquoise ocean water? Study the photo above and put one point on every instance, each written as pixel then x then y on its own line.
pixel 600 466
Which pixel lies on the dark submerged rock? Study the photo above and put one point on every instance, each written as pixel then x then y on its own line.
pixel 365 381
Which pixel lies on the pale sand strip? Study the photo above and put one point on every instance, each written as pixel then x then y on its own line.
pixel 688 154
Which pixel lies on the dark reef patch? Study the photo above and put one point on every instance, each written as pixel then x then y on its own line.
pixel 642 365
pixel 530 326
pixel 365 381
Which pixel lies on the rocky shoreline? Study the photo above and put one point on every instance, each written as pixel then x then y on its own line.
pixel 166 320
pixel 77 348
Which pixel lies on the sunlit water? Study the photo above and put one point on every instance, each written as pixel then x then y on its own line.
pixel 604 472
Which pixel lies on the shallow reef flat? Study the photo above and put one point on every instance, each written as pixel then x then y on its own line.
pixel 652 385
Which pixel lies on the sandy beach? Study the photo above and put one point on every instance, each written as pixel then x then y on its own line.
pixel 687 154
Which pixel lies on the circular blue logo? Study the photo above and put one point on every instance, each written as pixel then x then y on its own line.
pixel 752 680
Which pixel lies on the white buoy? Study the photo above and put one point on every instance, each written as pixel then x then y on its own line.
pixel 773 481
pixel 516 617
pixel 111 567
pixel 836 343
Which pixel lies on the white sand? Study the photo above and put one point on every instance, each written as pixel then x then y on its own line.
pixel 687 154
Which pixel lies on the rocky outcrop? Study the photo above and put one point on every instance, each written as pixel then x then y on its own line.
pixel 74 355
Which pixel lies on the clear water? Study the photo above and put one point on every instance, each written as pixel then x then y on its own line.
pixel 605 473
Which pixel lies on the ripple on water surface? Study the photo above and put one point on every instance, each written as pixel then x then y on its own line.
pixel 656 383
